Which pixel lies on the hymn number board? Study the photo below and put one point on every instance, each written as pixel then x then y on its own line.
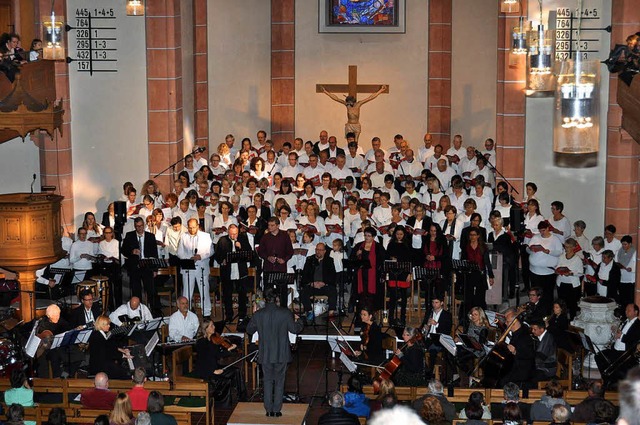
pixel 94 37
pixel 567 43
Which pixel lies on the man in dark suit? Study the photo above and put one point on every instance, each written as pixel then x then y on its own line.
pixel 436 321
pixel 273 324
pixel 319 278
pixel 234 276
pixel 520 345
pixel 336 414
pixel 546 358
pixel 87 312
pixel 138 245
pixel 333 150
pixel 608 274
pixel 535 309
pixel 626 338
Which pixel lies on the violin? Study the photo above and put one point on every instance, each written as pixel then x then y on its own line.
pixel 364 335
pixel 218 339
pixel 392 365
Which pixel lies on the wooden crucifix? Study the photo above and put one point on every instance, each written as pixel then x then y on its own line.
pixel 350 101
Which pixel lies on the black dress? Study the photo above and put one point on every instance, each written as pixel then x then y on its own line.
pixel 105 357
pixel 401 252
pixel 411 372
pixel 373 352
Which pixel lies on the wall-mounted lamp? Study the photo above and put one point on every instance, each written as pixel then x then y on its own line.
pixel 519 38
pixel 135 7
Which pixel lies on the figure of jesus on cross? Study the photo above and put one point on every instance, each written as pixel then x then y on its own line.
pixel 353 106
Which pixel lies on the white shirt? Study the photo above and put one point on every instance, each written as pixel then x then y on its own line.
pixel 142 312
pixel 615 245
pixel 564 225
pixel 77 249
pixel 435 316
pixel 574 264
pixel 619 345
pixel 180 326
pixel 291 172
pixel 425 153
pixel 109 249
pixel 358 162
pixel 413 168
pixel 199 244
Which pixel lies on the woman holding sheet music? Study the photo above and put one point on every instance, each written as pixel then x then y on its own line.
pixel 399 249
pixel 544 252
pixel 312 222
pixel 476 253
pixel 436 256
pixel 367 288
pixel 477 331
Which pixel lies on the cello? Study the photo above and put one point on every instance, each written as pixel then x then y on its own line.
pixel 499 360
pixel 392 365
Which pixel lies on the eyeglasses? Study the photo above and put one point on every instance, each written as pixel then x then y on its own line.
pixel 108 232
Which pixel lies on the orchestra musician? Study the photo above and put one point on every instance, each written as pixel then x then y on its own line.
pixel 546 358
pixel 137 245
pixel 627 335
pixel 520 345
pixel 211 348
pixel 86 313
pixel 104 353
pixel 412 370
pixel 133 310
pixel 52 324
pixel 478 331
pixel 370 338
pixel 436 321
pixel 183 324
pixel 234 276
pixel 319 278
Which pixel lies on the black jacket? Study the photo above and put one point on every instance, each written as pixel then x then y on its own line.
pixel 445 322
pixel 260 223
pixel 613 282
pixel 328 270
pixel 546 355
pixel 273 325
pixel 338 152
pixel 633 335
pixel 338 416
pixel 130 243
pixel 464 235
pixel 524 362
pixel 401 252
pixel 223 248
pixel 426 224
pixel 77 317
pixel 265 214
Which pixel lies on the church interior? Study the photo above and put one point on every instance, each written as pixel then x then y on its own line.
pixel 132 88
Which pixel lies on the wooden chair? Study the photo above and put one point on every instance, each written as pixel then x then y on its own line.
pixel 178 358
pixel 168 291
pixel 215 272
pixel 251 272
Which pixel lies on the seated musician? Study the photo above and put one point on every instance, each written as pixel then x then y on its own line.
pixel 546 347
pixel 207 365
pixel 234 276
pixel 319 278
pixel 81 255
pixel 520 345
pixel 131 311
pixel 183 324
pixel 627 335
pixel 104 354
pixel 371 338
pixel 52 324
pixel 477 331
pixel 411 372
pixel 535 309
pixel 87 312
pixel 436 321
pixel 56 284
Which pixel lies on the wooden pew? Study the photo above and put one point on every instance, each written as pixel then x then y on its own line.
pixel 191 389
pixel 51 386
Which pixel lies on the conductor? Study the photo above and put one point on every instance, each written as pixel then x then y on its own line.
pixel 273 324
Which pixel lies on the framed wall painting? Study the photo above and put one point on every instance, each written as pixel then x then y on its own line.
pixel 361 16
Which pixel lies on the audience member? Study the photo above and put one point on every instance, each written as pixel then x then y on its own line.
pixel 560 415
pixel 354 400
pixel 541 409
pixel 155 407
pixel 436 390
pixel 585 411
pixel 432 412
pixel 15 415
pixel 337 415
pixel 57 416
pixel 396 415
pixel 138 395
pixel 98 397
pixel 122 414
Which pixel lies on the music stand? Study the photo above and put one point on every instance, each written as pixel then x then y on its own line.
pixel 464 268
pixel 354 265
pixel 281 281
pixel 427 275
pixel 394 269
pixel 188 265
pixel 240 257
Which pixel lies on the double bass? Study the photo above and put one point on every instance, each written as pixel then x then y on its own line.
pixel 499 360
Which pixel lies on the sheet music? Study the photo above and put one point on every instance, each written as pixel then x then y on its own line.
pixel 333 343
pixel 491 317
pixel 351 367
pixel 448 343
pixel 33 342
pixel 148 349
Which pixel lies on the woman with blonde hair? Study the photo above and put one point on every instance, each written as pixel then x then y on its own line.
pixel 225 154
pixel 122 413
pixel 151 188
pixel 104 354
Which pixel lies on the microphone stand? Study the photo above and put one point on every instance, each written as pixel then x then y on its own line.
pixel 173 168
pixel 491 166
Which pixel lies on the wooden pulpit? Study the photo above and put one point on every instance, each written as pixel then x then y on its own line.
pixel 30 238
